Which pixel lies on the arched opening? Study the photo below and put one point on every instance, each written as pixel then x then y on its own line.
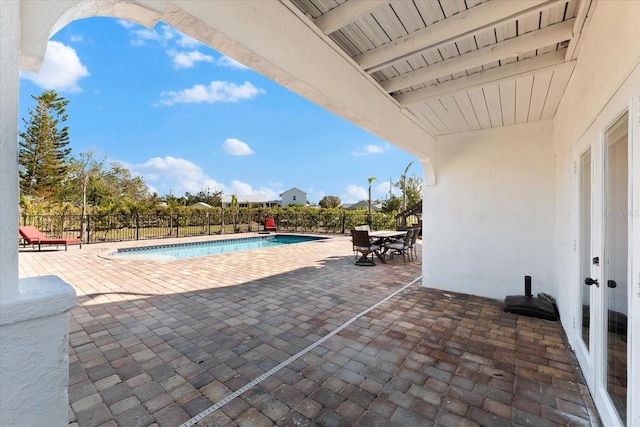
pixel 30 38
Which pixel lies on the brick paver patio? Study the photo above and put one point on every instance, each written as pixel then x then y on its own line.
pixel 157 343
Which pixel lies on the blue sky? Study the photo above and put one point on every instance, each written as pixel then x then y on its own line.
pixel 187 118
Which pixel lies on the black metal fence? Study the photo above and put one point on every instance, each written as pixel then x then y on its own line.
pixel 97 228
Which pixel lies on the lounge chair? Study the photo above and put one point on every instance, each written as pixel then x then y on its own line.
pixel 362 245
pixel 270 224
pixel 33 236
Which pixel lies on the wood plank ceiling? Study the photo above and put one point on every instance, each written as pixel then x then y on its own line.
pixel 460 65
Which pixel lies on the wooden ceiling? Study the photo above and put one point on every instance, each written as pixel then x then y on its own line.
pixel 460 65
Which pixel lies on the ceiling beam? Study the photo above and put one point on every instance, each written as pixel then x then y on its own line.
pixel 581 17
pixel 456 27
pixel 516 70
pixel 508 49
pixel 345 14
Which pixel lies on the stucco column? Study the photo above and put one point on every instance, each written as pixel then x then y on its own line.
pixel 9 43
pixel 34 319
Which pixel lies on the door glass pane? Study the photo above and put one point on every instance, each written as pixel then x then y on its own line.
pixel 616 223
pixel 585 243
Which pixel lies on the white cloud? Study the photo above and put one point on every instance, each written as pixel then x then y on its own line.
pixel 217 91
pixel 354 194
pixel 225 61
pixel 164 175
pixel 235 147
pixel 61 69
pixel 161 34
pixel 188 59
pixel 77 38
pixel 239 187
pixel 141 35
pixel 169 174
pixel 381 190
pixel 270 193
pixel 370 149
pixel 126 24
pixel 186 41
pixel 165 35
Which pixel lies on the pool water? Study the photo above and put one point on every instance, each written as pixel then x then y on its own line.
pixel 213 247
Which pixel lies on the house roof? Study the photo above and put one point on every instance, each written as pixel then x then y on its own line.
pixel 291 190
pixel 362 204
pixel 201 205
pixel 456 66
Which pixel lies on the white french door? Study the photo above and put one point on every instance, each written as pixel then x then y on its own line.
pixel 605 203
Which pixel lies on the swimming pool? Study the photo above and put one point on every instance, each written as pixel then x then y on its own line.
pixel 212 247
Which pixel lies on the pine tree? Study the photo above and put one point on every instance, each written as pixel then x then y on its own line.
pixel 42 156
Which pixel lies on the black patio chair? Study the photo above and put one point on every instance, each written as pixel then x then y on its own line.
pixel 364 248
pixel 414 238
pixel 402 247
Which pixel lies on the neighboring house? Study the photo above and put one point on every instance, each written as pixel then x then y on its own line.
pixel 363 204
pixel 247 200
pixel 294 196
pixel 201 205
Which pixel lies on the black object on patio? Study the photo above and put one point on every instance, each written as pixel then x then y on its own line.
pixel 363 245
pixel 528 305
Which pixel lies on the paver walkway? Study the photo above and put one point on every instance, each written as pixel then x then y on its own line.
pixel 157 343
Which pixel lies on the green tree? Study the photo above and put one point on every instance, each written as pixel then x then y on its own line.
pixel 403 178
pixel 330 202
pixel 116 187
pixel 209 196
pixel 43 156
pixel 82 171
pixel 234 211
pixel 413 190
pixel 392 204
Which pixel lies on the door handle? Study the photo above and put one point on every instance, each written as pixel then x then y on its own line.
pixel 589 281
pixel 611 283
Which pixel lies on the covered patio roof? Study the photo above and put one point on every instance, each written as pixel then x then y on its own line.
pixel 460 65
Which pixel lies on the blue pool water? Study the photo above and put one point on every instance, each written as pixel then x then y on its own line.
pixel 197 249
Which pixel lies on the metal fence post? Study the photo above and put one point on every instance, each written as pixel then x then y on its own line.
pixel 137 226
pixel 222 220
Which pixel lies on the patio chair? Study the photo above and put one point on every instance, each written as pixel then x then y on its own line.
pixel 414 238
pixel 402 247
pixel 32 236
pixel 363 246
pixel 270 224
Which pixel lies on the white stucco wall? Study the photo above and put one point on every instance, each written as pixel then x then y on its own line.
pixel 489 221
pixel 593 84
pixel 9 42
pixel 33 312
pixel 34 363
pixel 288 197
pixel 605 83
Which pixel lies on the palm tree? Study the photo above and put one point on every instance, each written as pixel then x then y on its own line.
pixel 234 211
pixel 404 190
pixel 370 179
